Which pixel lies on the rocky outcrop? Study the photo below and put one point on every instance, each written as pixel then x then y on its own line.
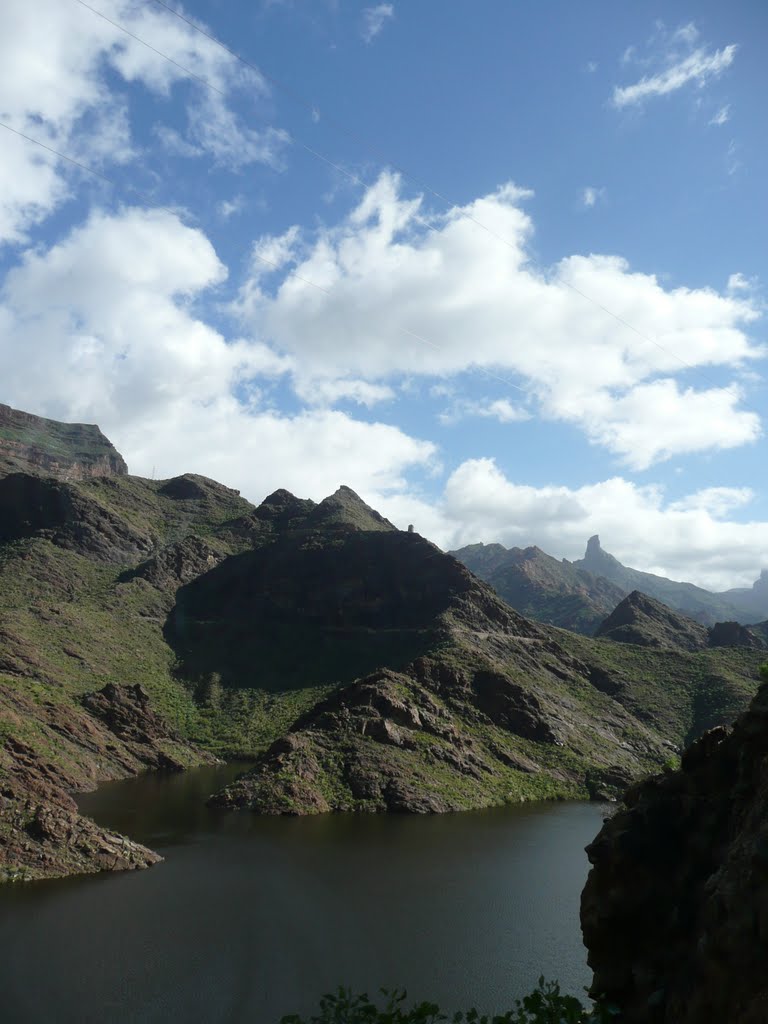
pixel 67 451
pixel 733 634
pixel 675 910
pixel 178 564
pixel 54 749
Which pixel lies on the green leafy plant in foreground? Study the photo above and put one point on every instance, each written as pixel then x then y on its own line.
pixel 545 1005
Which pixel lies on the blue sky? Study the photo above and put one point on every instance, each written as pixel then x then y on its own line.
pixel 499 267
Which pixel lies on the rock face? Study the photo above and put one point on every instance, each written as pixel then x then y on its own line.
pixel 675 910
pixel 67 451
pixel 543 588
pixel 733 634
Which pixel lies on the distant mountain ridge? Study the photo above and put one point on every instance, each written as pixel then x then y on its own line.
pixel 540 586
pixel 741 604
pixel 579 595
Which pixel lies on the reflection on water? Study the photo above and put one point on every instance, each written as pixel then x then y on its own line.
pixel 249 918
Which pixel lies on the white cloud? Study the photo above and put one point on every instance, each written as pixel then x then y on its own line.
pixel 319 392
pixel 676 61
pixel 684 421
pixel 227 207
pixel 54 88
pixel 591 67
pixel 100 328
pixel 501 410
pixel 690 539
pixel 591 195
pixel 698 67
pixel 739 283
pixel 374 19
pixel 396 292
pixel 722 115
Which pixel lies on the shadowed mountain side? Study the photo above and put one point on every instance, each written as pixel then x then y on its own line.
pixel 315 606
pixel 674 910
pixel 542 587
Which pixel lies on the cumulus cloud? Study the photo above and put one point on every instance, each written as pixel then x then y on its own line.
pixel 694 538
pixel 115 341
pixel 394 291
pixel 374 20
pixel 54 88
pixel 677 61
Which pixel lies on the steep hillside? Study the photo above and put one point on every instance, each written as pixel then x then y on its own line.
pixel 674 910
pixel 68 451
pixel 541 587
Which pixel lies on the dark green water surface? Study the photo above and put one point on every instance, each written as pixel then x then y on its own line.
pixel 249 918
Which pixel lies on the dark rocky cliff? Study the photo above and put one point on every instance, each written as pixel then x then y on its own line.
pixel 675 910
pixel 68 451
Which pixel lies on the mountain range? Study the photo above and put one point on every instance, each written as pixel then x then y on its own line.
pixel 148 624
pixel 578 595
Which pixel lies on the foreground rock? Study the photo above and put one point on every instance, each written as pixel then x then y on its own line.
pixel 51 750
pixel 675 910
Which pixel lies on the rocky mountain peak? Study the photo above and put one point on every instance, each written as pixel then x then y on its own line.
pixel 346 507
pixel 642 620
pixel 593 546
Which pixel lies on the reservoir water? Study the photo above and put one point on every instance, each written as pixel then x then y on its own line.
pixel 250 918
